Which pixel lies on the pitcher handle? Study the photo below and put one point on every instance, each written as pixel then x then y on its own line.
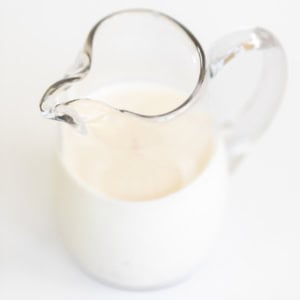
pixel 258 111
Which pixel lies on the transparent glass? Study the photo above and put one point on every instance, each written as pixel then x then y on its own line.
pixel 150 237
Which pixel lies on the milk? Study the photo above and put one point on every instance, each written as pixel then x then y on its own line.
pixel 141 200
pixel 135 159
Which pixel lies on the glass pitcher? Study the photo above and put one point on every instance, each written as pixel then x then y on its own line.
pixel 145 155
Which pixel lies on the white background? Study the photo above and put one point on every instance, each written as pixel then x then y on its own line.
pixel 258 253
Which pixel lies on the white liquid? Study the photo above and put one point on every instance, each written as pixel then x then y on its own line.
pixel 141 243
pixel 131 158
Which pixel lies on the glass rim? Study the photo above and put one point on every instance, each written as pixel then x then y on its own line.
pixel 86 57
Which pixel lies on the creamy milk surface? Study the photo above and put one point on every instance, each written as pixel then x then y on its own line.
pixel 140 201
pixel 136 159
